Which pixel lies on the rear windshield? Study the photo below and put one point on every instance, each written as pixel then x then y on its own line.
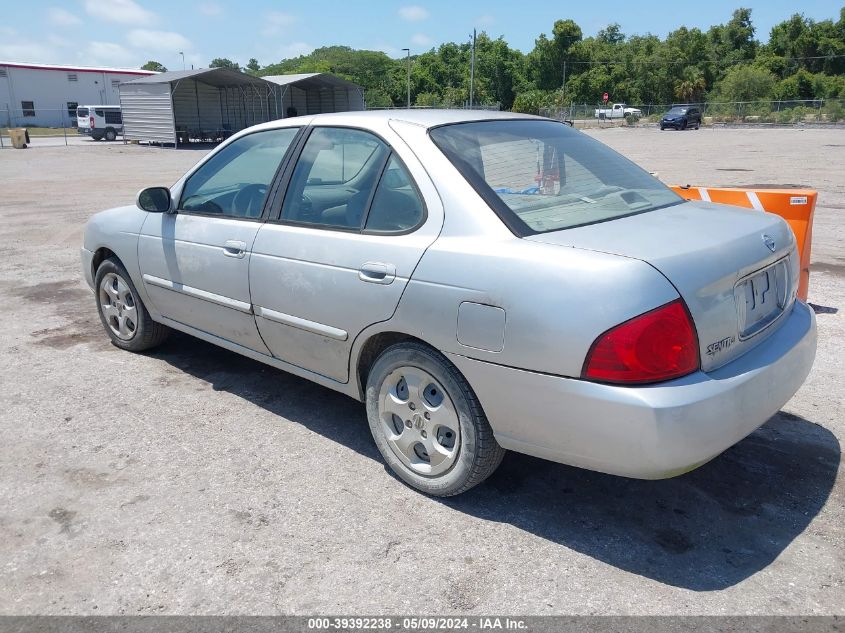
pixel 82 112
pixel 542 176
pixel 678 111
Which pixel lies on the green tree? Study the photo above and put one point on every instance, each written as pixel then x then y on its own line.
pixel 745 83
pixel 222 62
pixel 154 66
pixel 253 66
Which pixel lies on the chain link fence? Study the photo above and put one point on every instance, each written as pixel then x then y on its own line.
pixel 45 126
pixel 493 107
pixel 795 112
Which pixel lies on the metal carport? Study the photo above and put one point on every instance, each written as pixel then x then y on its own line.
pixel 315 93
pixel 208 104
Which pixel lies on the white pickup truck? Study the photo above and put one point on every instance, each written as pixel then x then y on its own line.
pixel 617 111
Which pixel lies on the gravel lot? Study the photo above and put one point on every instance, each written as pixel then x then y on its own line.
pixel 191 480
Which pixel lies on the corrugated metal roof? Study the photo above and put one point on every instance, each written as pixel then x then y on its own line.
pixel 80 69
pixel 213 76
pixel 311 78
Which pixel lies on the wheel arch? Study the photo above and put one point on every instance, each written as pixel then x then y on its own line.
pixel 369 349
pixel 100 255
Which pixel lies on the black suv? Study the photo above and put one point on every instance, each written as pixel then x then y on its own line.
pixel 682 117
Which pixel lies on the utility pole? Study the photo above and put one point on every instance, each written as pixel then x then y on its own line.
pixel 472 71
pixel 408 64
pixel 563 87
pixel 182 53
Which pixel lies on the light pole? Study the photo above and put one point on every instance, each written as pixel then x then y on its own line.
pixel 408 64
pixel 182 53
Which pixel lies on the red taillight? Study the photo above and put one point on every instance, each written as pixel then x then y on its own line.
pixel 658 345
pixel 92 123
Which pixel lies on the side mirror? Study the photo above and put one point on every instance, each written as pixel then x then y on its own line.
pixel 154 199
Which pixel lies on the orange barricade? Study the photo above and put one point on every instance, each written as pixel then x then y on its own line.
pixel 796 206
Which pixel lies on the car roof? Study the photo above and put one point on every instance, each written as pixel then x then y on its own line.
pixel 425 117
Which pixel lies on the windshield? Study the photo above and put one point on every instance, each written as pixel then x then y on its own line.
pixel 542 176
pixel 677 111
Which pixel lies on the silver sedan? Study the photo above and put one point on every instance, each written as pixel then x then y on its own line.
pixel 482 281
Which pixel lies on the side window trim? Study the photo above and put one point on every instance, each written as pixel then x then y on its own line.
pixel 366 215
pixel 275 213
pixel 283 164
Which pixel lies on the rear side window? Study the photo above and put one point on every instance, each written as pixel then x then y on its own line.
pixel 98 111
pixel 397 206
pixel 114 117
pixel 542 176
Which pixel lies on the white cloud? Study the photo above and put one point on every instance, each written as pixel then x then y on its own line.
pixel 485 20
pixel 59 41
pixel 157 41
pixel 275 22
pixel 211 9
pixel 108 54
pixel 20 48
pixel 420 39
pixel 120 11
pixel 413 13
pixel 62 17
pixel 23 50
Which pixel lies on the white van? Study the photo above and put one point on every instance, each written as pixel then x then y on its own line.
pixel 99 121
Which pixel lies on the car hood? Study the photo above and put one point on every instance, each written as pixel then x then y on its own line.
pixel 704 250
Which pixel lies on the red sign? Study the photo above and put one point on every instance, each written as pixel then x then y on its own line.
pixel 605 97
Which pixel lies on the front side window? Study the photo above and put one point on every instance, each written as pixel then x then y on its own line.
pixel 542 176
pixel 334 178
pixel 234 181
pixel 28 108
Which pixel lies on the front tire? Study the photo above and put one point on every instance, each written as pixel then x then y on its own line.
pixel 110 134
pixel 122 313
pixel 427 422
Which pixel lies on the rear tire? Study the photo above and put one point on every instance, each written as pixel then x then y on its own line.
pixel 97 136
pixel 122 313
pixel 110 134
pixel 427 422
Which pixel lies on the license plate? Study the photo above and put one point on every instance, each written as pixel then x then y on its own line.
pixel 761 298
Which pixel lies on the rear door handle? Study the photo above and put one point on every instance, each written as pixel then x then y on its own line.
pixel 377 273
pixel 234 248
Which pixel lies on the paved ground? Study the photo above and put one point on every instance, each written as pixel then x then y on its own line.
pixel 192 480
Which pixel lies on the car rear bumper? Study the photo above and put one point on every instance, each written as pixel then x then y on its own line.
pixel 647 432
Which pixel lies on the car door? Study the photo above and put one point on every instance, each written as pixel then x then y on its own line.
pixel 352 227
pixel 195 261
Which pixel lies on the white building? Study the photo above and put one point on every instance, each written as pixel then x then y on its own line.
pixel 46 95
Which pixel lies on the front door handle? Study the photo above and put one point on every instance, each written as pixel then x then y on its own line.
pixel 234 248
pixel 377 273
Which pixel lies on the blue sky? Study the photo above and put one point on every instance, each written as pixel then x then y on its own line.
pixel 130 32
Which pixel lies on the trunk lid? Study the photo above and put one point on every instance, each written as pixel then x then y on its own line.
pixel 736 269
